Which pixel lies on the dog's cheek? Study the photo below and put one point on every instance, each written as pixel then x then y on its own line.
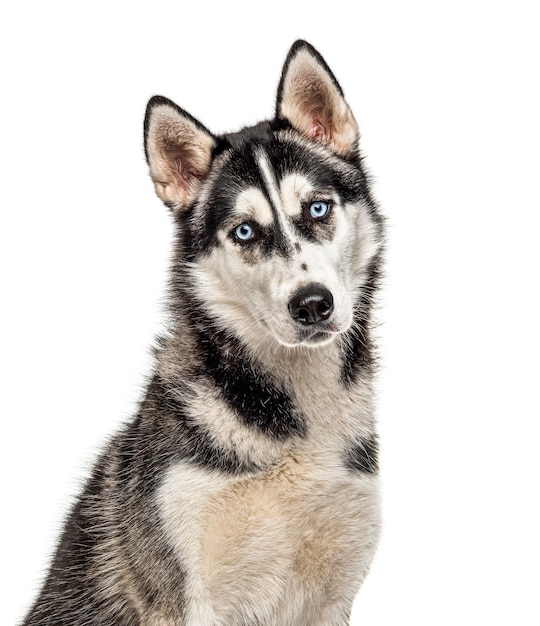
pixel 240 282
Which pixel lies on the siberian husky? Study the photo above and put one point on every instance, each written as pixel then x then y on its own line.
pixel 244 491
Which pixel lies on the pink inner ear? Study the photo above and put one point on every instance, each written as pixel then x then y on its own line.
pixel 195 173
pixel 317 130
pixel 192 177
pixel 187 175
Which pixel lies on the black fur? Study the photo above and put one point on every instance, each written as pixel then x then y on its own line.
pixel 86 583
pixel 364 455
pixel 136 460
pixel 358 350
pixel 114 562
pixel 240 171
pixel 257 401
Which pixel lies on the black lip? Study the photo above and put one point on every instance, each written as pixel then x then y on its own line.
pixel 316 337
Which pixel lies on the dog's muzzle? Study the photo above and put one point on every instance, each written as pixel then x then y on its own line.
pixel 312 304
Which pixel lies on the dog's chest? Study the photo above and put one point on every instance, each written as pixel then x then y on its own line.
pixel 279 543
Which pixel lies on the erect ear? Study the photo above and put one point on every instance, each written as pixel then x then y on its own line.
pixel 310 98
pixel 178 151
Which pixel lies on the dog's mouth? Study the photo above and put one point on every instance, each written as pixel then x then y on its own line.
pixel 311 337
pixel 316 337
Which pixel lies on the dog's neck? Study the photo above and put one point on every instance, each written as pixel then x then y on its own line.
pixel 264 402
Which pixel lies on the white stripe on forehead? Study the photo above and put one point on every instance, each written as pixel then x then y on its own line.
pixel 272 187
pixel 268 176
pixel 280 201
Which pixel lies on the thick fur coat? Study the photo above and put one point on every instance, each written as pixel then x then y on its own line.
pixel 244 492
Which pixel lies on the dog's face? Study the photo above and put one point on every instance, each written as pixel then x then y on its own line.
pixel 278 229
pixel 278 249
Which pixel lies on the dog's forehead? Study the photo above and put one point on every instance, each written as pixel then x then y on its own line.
pixel 263 171
pixel 274 196
pixel 256 177
pixel 268 158
pixel 267 174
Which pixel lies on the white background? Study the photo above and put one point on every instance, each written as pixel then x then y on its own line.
pixel 447 99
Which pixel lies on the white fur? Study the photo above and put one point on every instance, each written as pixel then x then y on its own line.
pixel 276 539
pixel 285 531
pixel 271 542
pixel 252 205
pixel 253 300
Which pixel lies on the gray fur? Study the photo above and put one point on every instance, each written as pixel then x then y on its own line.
pixel 245 489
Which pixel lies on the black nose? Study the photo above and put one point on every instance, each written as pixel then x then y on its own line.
pixel 311 304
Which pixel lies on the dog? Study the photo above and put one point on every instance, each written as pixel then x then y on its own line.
pixel 244 492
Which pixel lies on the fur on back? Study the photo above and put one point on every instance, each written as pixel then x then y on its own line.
pixel 245 489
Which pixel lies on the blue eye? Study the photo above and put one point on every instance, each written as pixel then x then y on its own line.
pixel 319 209
pixel 244 232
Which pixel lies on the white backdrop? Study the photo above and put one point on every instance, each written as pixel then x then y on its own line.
pixel 447 98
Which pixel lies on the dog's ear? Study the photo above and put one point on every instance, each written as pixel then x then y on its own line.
pixel 178 151
pixel 310 98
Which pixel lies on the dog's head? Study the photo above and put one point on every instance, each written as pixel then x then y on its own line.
pixel 277 226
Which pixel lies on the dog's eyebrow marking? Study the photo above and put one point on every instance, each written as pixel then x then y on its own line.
pixel 253 202
pixel 293 189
